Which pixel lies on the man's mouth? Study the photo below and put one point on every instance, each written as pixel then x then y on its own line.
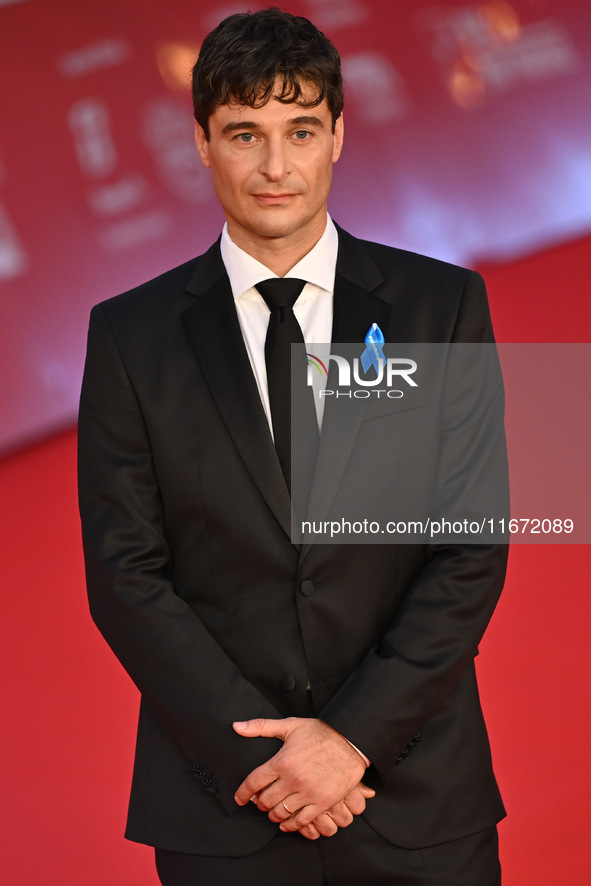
pixel 273 198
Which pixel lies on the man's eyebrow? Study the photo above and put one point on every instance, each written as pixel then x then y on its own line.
pixel 240 124
pixel 306 120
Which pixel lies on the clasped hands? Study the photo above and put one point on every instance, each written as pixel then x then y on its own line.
pixel 312 784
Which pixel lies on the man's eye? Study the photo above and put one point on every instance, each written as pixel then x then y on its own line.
pixel 245 137
pixel 301 134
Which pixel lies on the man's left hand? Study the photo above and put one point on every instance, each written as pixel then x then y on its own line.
pixel 313 772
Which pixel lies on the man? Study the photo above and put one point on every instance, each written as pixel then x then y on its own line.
pixel 309 712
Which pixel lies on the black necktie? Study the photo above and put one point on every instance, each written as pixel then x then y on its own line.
pixel 280 294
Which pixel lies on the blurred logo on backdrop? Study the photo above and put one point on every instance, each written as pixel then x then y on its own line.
pixel 486 49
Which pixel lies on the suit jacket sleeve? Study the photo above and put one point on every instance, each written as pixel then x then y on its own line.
pixel 182 672
pixel 405 678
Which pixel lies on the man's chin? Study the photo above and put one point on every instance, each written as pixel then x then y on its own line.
pixel 278 225
pixel 277 229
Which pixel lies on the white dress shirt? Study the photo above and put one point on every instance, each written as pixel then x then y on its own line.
pixel 313 309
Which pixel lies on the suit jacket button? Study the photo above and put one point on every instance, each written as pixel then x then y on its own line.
pixel 307 588
pixel 287 683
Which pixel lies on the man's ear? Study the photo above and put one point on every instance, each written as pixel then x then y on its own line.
pixel 202 144
pixel 339 131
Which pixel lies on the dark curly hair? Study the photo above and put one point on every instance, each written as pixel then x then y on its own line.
pixel 242 59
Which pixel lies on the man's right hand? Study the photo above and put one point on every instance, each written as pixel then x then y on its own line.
pixel 317 766
pixel 339 816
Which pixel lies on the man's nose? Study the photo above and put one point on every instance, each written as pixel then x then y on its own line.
pixel 275 161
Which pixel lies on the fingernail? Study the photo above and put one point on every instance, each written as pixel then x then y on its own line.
pixel 240 724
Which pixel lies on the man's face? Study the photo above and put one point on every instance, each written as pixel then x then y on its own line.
pixel 272 169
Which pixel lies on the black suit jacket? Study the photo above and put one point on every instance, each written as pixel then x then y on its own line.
pixel 217 616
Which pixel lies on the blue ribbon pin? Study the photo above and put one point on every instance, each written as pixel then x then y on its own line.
pixel 374 350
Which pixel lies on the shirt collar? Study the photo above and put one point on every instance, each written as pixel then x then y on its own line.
pixel 318 266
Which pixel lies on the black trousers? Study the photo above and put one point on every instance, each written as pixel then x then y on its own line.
pixel 355 856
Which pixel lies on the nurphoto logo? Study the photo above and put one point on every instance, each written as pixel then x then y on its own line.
pixel 387 371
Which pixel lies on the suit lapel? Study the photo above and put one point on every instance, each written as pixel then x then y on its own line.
pixel 356 307
pixel 215 335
